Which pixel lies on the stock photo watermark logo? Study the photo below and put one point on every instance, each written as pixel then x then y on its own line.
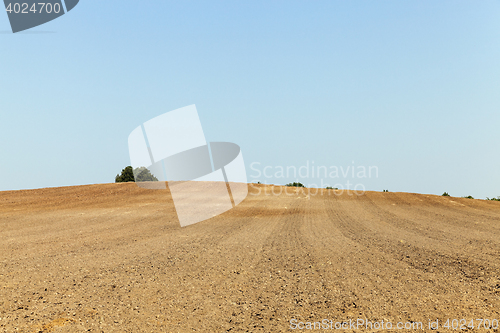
pixel 27 14
pixel 317 179
pixel 204 179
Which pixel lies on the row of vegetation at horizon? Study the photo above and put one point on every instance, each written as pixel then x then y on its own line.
pixel 445 194
pixel 142 174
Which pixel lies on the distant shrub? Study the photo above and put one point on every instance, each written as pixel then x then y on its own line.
pixel 294 184
pixel 493 199
pixel 468 197
pixel 331 188
pixel 385 190
pixel 445 194
pixel 142 174
pixel 127 175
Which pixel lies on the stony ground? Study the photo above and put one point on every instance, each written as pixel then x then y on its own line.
pixel 113 258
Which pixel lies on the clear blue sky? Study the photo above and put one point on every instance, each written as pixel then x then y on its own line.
pixel 412 87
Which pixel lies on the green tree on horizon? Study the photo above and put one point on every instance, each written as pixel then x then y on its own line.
pixel 142 174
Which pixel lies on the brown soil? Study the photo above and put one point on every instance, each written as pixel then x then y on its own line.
pixel 113 258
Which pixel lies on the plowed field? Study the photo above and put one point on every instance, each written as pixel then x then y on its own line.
pixel 113 258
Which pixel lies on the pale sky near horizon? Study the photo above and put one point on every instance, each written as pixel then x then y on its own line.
pixel 411 87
